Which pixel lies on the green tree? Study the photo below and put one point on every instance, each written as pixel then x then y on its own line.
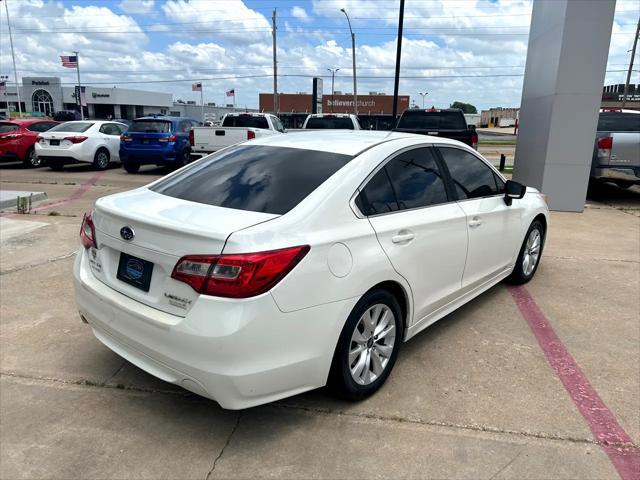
pixel 465 107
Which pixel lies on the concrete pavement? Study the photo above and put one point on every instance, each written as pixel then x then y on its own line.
pixel 472 397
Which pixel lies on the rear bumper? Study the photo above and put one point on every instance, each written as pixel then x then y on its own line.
pixel 77 153
pixel 626 174
pixel 149 156
pixel 11 152
pixel 240 353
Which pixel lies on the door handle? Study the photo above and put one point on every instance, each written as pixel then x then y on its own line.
pixel 475 222
pixel 402 237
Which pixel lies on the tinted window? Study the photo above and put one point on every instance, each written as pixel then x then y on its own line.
pixel 432 120
pixel 247 121
pixel 277 124
pixel 8 127
pixel 619 122
pixel 110 129
pixel 150 126
pixel 40 126
pixel 331 123
pixel 76 127
pixel 411 180
pixel 256 178
pixel 471 176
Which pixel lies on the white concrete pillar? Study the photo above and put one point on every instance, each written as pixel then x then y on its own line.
pixel 565 69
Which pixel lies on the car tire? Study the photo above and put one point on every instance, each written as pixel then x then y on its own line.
pixel 31 160
pixel 530 251
pixel 131 167
pixel 624 184
pixel 56 165
pixel 183 159
pixel 101 159
pixel 363 359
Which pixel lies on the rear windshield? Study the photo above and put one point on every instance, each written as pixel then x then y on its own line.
pixel 335 123
pixel 619 122
pixel 247 121
pixel 8 127
pixel 77 127
pixel 149 126
pixel 257 178
pixel 421 120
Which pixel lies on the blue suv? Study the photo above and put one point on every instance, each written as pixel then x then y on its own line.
pixel 159 140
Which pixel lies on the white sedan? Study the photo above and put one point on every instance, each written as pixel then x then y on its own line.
pixel 282 264
pixel 88 141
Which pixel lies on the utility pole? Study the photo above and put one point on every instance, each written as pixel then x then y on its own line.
pixel 275 64
pixel 79 100
pixel 398 56
pixel 353 50
pixel 13 57
pixel 633 54
pixel 333 74
pixel 423 94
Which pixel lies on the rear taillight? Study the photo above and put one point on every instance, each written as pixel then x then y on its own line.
pixel 605 144
pixel 170 138
pixel 191 141
pixel 238 275
pixel 125 138
pixel 76 138
pixel 474 140
pixel 251 134
pixel 88 231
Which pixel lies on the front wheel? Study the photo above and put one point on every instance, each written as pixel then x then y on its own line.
pixel 529 256
pixel 368 346
pixel 101 159
pixel 31 160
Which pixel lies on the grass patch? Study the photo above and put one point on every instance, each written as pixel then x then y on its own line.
pixel 497 142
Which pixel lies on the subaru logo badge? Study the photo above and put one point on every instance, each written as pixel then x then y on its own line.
pixel 127 233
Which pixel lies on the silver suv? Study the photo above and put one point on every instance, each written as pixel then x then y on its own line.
pixel 616 155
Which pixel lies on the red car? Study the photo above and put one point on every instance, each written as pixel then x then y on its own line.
pixel 18 137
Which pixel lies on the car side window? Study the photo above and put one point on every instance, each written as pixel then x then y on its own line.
pixel 40 126
pixel 410 180
pixel 109 129
pixel 184 126
pixel 471 177
pixel 277 124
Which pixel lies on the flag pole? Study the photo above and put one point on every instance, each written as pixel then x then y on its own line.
pixel 202 99
pixel 79 99
pixel 13 58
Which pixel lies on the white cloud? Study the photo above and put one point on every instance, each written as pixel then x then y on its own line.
pixel 137 6
pixel 300 13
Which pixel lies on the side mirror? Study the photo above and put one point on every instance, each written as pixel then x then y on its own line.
pixel 513 190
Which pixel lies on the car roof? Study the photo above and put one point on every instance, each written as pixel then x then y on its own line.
pixel 345 142
pixel 247 114
pixel 96 122
pixel 329 115
pixel 166 118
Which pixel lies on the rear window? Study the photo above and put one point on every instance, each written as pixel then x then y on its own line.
pixel 76 127
pixel 246 121
pixel 8 127
pixel 149 126
pixel 421 120
pixel 335 123
pixel 257 178
pixel 619 122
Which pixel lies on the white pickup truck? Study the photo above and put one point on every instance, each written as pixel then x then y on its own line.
pixel 235 128
pixel 331 121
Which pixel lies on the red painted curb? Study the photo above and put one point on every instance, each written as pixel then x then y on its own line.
pixel 616 443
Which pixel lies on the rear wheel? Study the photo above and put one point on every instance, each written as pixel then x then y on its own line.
pixel 368 346
pixel 530 253
pixel 131 167
pixel 31 160
pixel 182 159
pixel 101 159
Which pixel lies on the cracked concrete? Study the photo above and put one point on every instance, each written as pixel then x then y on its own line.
pixel 471 397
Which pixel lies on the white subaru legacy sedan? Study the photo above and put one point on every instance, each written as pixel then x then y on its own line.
pixel 88 141
pixel 295 261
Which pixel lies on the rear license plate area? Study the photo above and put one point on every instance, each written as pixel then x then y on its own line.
pixel 54 142
pixel 135 271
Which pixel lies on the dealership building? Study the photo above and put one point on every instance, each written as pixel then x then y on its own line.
pixel 374 109
pixel 47 95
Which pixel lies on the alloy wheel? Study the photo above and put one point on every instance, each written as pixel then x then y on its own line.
pixel 531 252
pixel 372 344
pixel 33 159
pixel 103 160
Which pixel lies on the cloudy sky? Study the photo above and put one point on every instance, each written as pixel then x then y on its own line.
pixel 467 50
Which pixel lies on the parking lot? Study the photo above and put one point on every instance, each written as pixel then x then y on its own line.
pixel 541 381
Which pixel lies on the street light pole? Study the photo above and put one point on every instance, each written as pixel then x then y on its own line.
pixel 13 58
pixel 333 74
pixel 423 95
pixel 353 50
pixel 633 54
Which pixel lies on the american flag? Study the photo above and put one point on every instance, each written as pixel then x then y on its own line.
pixel 69 61
pixel 196 87
pixel 231 93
